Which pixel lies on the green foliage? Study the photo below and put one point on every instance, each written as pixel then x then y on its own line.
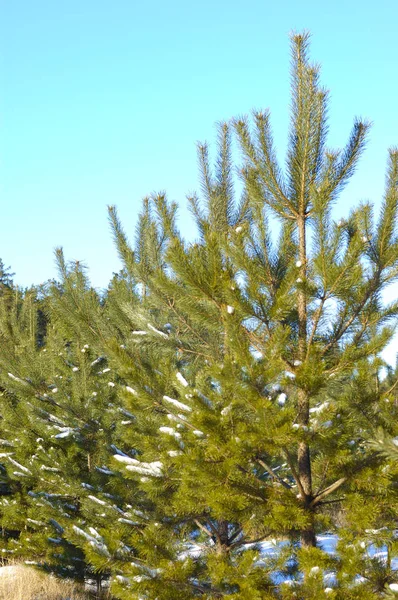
pixel 5 276
pixel 191 431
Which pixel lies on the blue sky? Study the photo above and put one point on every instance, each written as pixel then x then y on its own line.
pixel 102 103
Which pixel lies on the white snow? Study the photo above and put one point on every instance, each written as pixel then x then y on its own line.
pixel 17 464
pixel 282 399
pixel 97 360
pixel 182 379
pixel 122 579
pixel 50 469
pixel 95 543
pixel 39 523
pixel 95 533
pixel 97 500
pixel 153 468
pixel 145 468
pixel 123 458
pixel 319 408
pixel 130 390
pixel 290 375
pixel 152 328
pixel 127 521
pixel 16 378
pixel 7 443
pixel 177 404
pixel 170 431
pixel 172 417
pixel 67 431
pixel 314 570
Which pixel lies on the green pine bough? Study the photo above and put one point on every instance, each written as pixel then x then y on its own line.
pixel 196 430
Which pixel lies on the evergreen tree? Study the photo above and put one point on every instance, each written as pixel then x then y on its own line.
pixel 53 428
pixel 283 341
pixel 256 372
pixel 5 276
pixel 245 382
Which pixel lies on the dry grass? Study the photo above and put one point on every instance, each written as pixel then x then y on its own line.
pixel 19 582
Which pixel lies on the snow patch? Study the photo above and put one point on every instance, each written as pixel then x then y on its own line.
pixel 130 390
pixel 177 404
pixel 182 380
pixel 170 431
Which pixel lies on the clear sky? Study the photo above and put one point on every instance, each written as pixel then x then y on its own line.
pixel 103 102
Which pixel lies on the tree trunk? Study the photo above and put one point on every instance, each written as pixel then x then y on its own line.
pixel 308 537
pixel 223 537
pixel 303 454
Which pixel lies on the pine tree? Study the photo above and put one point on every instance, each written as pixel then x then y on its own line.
pixel 53 428
pixel 6 276
pixel 245 381
pixel 278 345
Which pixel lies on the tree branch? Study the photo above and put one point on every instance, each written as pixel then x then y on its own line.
pixel 327 491
pixel 273 474
pixel 294 473
pixel 204 528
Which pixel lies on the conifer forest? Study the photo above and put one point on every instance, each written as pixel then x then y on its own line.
pixel 219 422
